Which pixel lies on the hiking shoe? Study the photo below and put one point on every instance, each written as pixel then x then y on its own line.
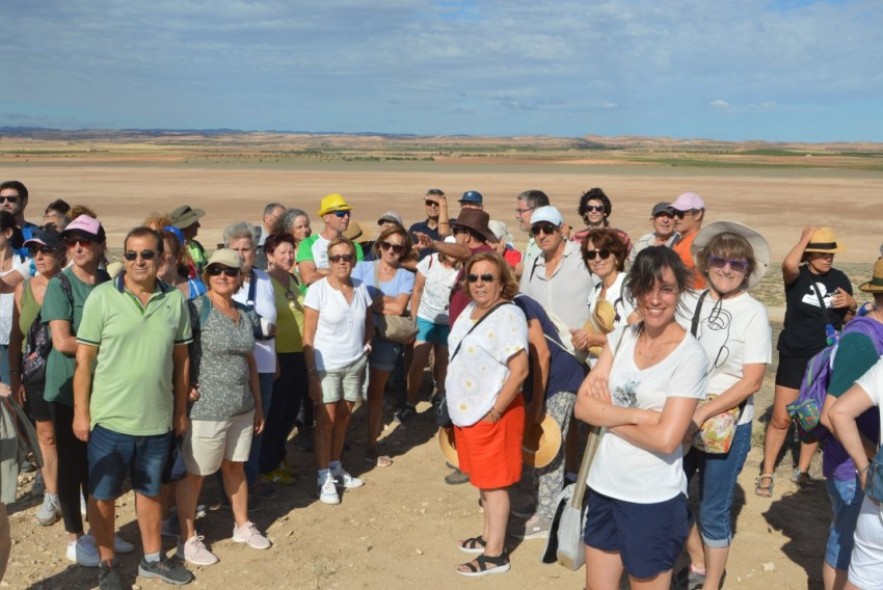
pixel 248 533
pixel 405 413
pixel 166 570
pixel 50 511
pixel 83 551
pixel 456 477
pixel 109 577
pixel 328 491
pixel 194 551
pixel 342 479
pixel 535 527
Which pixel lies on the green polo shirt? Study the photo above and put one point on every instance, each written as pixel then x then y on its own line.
pixel 132 390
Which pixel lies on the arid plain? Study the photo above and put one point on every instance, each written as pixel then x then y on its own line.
pixel 399 530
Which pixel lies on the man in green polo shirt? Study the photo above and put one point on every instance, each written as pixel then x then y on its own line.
pixel 134 332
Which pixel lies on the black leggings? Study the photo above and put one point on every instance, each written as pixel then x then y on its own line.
pixel 73 466
pixel 289 391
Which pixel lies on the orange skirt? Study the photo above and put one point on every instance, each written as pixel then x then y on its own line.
pixel 491 453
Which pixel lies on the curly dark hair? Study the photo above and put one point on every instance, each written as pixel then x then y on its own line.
pixel 604 238
pixel 595 194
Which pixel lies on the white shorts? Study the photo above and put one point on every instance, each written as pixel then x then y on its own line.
pixel 208 442
pixel 866 564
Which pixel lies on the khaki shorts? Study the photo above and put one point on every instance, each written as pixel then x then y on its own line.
pixel 208 442
pixel 345 383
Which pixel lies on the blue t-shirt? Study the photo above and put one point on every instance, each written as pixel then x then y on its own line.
pixel 565 372
pixel 402 282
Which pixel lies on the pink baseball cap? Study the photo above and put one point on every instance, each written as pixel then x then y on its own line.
pixel 85 225
pixel 688 202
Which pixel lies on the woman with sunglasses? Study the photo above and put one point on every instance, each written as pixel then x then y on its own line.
pixel 487 368
pixel 390 287
pixel 338 327
pixel 644 390
pixel 46 249
pixel 595 209
pixel 62 309
pixel 818 301
pixel 225 409
pixel 734 331
pixel 173 262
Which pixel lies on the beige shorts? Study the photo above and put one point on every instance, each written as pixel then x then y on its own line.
pixel 345 383
pixel 208 442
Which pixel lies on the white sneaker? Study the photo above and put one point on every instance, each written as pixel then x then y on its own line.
pixel 194 551
pixel 328 491
pixel 343 479
pixel 83 551
pixel 248 533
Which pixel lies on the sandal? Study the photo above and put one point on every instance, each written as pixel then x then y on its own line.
pixel 372 456
pixel 765 491
pixel 484 565
pixel 472 545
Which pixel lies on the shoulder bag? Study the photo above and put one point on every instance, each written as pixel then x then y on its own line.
pixel 395 328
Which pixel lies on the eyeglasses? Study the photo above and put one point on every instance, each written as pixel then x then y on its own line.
pixel 342 213
pixel 523 211
pixel 217 270
pixel 131 255
pixel 680 214
pixel 82 242
pixel 8 199
pixel 486 278
pixel 604 253
pixel 432 203
pixel 396 248
pixel 34 250
pixel 593 208
pixel 738 265
pixel 546 228
pixel 346 258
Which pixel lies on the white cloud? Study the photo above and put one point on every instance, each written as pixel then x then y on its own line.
pixel 721 105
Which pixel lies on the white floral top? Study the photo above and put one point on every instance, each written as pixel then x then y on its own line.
pixel 477 373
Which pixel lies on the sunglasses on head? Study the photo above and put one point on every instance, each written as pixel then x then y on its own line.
pixel 604 253
pixel 546 228
pixel 217 270
pixel 8 199
pixel 348 258
pixel 594 208
pixel 131 255
pixel 738 265
pixel 486 277
pixel 82 242
pixel 345 213
pixel 396 248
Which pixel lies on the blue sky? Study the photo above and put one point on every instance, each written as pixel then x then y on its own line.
pixel 791 70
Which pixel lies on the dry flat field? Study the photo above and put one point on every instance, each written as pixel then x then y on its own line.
pixel 399 530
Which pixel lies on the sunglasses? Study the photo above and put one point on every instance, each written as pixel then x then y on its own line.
pixel 432 203
pixel 546 228
pixel 131 255
pixel 8 199
pixel 486 277
pixel 216 271
pixel 347 258
pixel 82 242
pixel 342 213
pixel 604 253
pixel 680 214
pixel 593 208
pixel 34 250
pixel 738 265
pixel 396 248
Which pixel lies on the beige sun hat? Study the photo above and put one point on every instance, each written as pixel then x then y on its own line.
pixel 875 285
pixel 758 243
pixel 541 443
pixel 824 240
pixel 601 322
pixel 448 445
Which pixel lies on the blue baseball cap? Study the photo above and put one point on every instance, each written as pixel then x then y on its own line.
pixel 472 197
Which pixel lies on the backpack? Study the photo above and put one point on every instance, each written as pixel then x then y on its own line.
pixel 40 341
pixel 806 410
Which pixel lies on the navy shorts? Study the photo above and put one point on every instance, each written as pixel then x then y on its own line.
pixel 648 537
pixel 112 456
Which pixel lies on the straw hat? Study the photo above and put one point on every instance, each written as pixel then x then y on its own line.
pixel 601 322
pixel 824 240
pixel 541 443
pixel 448 445
pixel 758 243
pixel 875 285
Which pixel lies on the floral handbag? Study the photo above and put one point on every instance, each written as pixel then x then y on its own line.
pixel 715 435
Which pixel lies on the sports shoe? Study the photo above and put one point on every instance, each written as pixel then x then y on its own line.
pixel 248 533
pixel 194 551
pixel 342 479
pixel 166 570
pixel 535 527
pixel 281 476
pixel 405 413
pixel 83 551
pixel 108 577
pixel 328 491
pixel 456 477
pixel 50 511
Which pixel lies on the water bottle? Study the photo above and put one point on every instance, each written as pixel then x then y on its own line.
pixel 830 334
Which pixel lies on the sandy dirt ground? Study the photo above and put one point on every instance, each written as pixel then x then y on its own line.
pixel 399 530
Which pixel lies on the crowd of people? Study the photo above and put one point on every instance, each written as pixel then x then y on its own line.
pixel 176 364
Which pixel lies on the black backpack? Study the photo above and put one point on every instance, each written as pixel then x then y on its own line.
pixel 40 342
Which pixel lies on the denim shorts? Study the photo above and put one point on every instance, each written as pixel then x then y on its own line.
pixel 846 503
pixel 717 485
pixel 113 455
pixel 648 537
pixel 344 383
pixel 432 333
pixel 383 354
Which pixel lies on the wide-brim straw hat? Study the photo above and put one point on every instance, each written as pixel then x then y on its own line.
pixel 601 322
pixel 824 240
pixel 541 443
pixel 759 245
pixel 875 285
pixel 448 445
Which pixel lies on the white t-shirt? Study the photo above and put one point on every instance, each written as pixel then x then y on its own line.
pixel 340 334
pixel 476 374
pixel 872 383
pixel 733 332
pixel 265 306
pixel 7 300
pixel 627 472
pixel 437 289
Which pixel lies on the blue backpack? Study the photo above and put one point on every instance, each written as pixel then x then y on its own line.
pixel 807 409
